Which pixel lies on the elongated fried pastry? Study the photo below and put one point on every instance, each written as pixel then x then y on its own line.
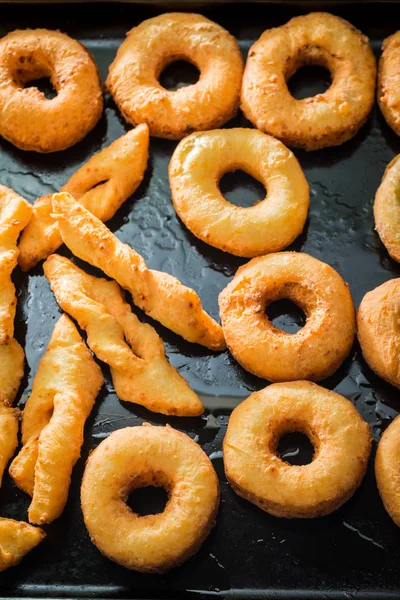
pixel 17 539
pixel 134 351
pixel 64 390
pixel 160 295
pixel 101 185
pixel 15 213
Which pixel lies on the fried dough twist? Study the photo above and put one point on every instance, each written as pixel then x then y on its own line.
pixel 134 351
pixel 64 390
pixel 101 185
pixel 159 294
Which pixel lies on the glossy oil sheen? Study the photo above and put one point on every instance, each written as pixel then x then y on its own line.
pixel 353 552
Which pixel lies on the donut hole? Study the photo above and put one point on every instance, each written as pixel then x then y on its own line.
pixel 178 74
pixel 308 81
pixel 241 189
pixel 286 315
pixel 295 448
pixel 44 85
pixel 31 73
pixel 148 494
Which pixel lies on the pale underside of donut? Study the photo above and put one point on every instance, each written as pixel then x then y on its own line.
pixel 16 538
pixel 64 391
pixel 134 351
pixel 101 185
pixel 160 295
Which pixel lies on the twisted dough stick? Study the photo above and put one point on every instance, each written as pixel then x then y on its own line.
pixel 15 213
pixel 64 390
pixel 160 295
pixel 134 351
pixel 102 185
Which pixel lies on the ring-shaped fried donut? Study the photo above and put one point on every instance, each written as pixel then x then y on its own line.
pixel 28 119
pixel 341 440
pixel 388 81
pixel 196 167
pixel 378 330
pixel 316 350
pixel 138 457
pixel 157 42
pixel 387 469
pixel 387 209
pixel 327 119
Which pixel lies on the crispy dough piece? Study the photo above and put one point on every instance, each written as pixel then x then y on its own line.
pixel 134 351
pixel 64 390
pixel 17 539
pixel 160 295
pixel 101 185
pixel 15 213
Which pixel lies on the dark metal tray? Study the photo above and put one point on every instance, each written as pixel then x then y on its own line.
pixel 353 552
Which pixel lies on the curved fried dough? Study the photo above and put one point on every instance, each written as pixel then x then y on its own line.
pixel 134 351
pixel 16 540
pixel 15 213
pixel 101 185
pixel 64 390
pixel 160 295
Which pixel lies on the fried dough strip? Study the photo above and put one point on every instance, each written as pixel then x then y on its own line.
pixel 15 213
pixel 160 295
pixel 64 390
pixel 101 185
pixel 17 539
pixel 134 351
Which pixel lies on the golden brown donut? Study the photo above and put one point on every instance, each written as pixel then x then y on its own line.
pixel 341 440
pixel 387 469
pixel 387 209
pixel 378 330
pixel 28 119
pixel 316 350
pixel 389 81
pixel 137 457
pixel 327 119
pixel 196 167
pixel 157 42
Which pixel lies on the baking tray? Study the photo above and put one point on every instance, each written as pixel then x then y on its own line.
pixel 249 554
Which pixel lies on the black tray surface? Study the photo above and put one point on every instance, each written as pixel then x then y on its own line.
pixel 356 550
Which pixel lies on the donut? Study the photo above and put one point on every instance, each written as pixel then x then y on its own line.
pixel 137 457
pixel 327 119
pixel 196 167
pixel 389 80
pixel 341 440
pixel 157 42
pixel 28 119
pixel 378 330
pixel 387 469
pixel 316 350
pixel 387 209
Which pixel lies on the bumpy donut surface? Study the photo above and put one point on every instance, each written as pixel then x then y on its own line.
pixel 28 119
pixel 387 209
pixel 389 81
pixel 138 457
pixel 316 350
pixel 196 167
pixel 387 469
pixel 341 440
pixel 155 43
pixel 378 329
pixel 327 119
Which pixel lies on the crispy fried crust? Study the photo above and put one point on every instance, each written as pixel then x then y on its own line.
pixel 134 351
pixel 16 540
pixel 15 213
pixel 387 208
pixel 198 163
pixel 341 440
pixel 160 295
pixel 64 390
pixel 327 119
pixel 388 93
pixel 101 185
pixel 151 46
pixel 137 457
pixel 28 119
pixel 387 469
